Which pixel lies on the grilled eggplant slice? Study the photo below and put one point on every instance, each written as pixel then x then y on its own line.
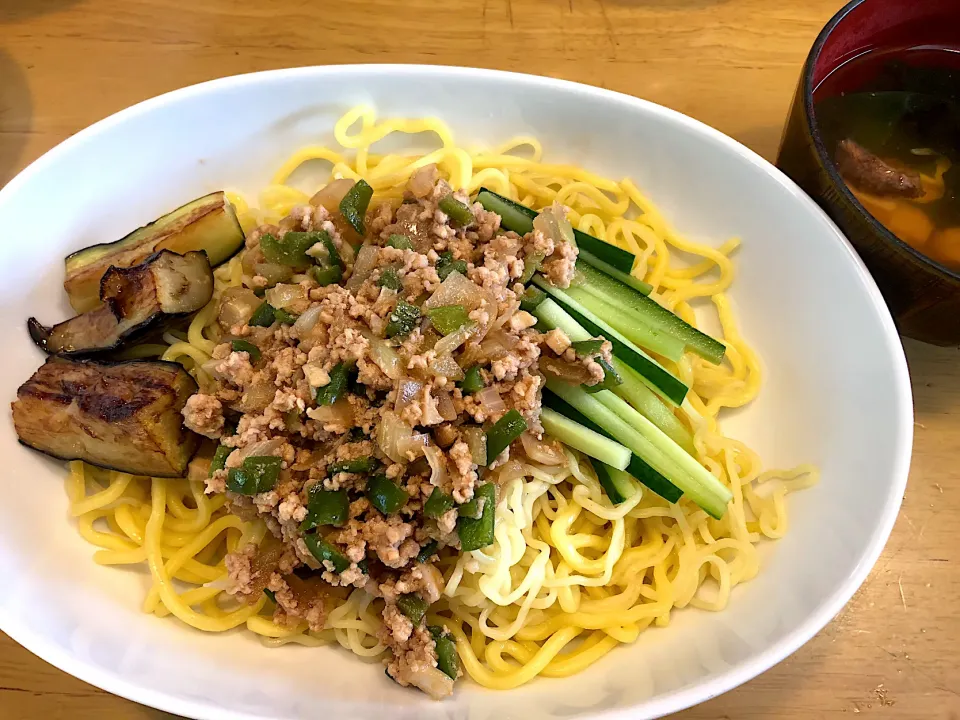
pixel 208 223
pixel 165 285
pixel 123 416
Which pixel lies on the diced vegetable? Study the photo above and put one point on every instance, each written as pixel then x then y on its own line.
pixel 326 507
pixel 448 318
pixel 325 552
pixel 208 223
pixel 162 288
pixel 354 205
pixel 447 659
pixel 616 483
pixel 358 465
pixel 427 551
pixel 672 388
pixel 634 308
pixel 270 595
pixel 413 606
pixel 460 215
pixel 587 347
pixel 124 416
pixel 478 533
pixel 263 316
pixel 264 469
pixel 610 377
pixel 400 242
pixel 507 429
pixel 324 276
pixel 472 380
pixel 437 504
pixel 220 456
pixel 531 298
pixel 446 265
pixel 516 217
pixel 248 347
pixel 241 482
pixel 531 264
pixel 331 392
pixel 283 317
pixel 404 318
pixel 326 254
pixel 389 279
pixel 385 495
pixel 289 249
pixel 584 439
pixel 470 509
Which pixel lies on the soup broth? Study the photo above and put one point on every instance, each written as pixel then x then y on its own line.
pixel 891 121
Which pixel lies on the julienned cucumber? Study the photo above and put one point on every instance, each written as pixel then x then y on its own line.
pixel 635 307
pixel 639 333
pixel 519 218
pixel 649 442
pixel 637 468
pixel 586 258
pixel 582 438
pixel 672 388
pixel 616 483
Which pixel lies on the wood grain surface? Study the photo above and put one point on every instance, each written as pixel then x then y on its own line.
pixel 894 652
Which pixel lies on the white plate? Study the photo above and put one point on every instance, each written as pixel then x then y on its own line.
pixel 836 393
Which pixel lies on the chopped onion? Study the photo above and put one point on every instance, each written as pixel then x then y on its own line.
pixel 445 405
pixel 414 444
pixel 446 366
pixel 564 370
pixel 503 317
pixel 542 451
pixel 448 343
pixel 490 400
pixel 477 442
pixel 456 290
pixel 284 295
pixel 385 357
pixel 395 437
pixel 331 194
pixel 432 681
pixel 510 470
pixel 496 344
pixel 273 272
pixel 422 181
pixel 553 223
pixel 407 391
pixel 261 448
pixel 306 322
pixel 237 305
pixel 257 397
pixel 365 264
pixel 340 413
pixel 438 465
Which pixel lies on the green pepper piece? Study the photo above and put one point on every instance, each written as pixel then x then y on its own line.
pixel 448 662
pixel 358 465
pixel 427 551
pixel 507 429
pixel 470 509
pixel 446 265
pixel 324 276
pixel 437 504
pixel 241 482
pixel 611 378
pixel 413 606
pixel 476 533
pixel 531 263
pixel 400 242
pixel 448 318
pixel 385 495
pixel 248 347
pixel 331 256
pixel 459 213
pixel 587 347
pixel 531 298
pixel 263 316
pixel 389 279
pixel 270 594
pixel 290 249
pixel 331 392
pixel 283 317
pixel 264 469
pixel 219 461
pixel 354 205
pixel 326 507
pixel 324 552
pixel 472 380
pixel 403 319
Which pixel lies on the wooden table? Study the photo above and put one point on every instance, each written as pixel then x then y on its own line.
pixel 893 652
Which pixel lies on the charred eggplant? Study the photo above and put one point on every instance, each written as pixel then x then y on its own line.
pixel 123 416
pixel 208 223
pixel 164 286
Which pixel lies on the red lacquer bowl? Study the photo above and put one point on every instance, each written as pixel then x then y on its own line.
pixel 923 296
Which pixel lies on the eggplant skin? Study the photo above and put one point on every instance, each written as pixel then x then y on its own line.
pixel 208 223
pixel 163 287
pixel 122 416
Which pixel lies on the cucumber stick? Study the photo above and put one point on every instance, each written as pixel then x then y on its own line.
pixel 639 333
pixel 587 441
pixel 618 484
pixel 519 218
pixel 671 388
pixel 587 258
pixel 634 306
pixel 650 443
